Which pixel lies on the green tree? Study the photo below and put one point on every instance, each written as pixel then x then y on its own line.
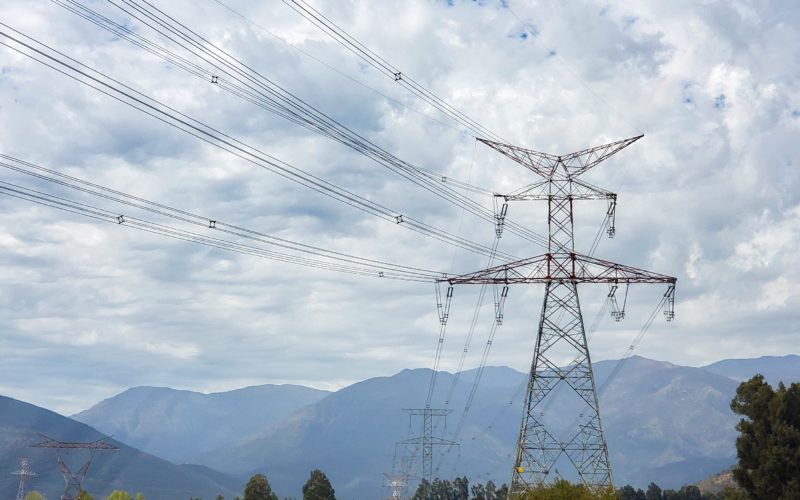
pixel 220 497
pixel 478 492
pixel 423 490
pixel 731 493
pixel 768 446
pixel 491 491
pixel 564 490
pixel 318 487
pixel 119 495
pixel 34 495
pixel 628 492
pixel 258 488
pixel 501 493
pixel 653 492
pixel 461 488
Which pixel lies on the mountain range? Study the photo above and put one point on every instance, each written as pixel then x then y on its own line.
pixel 663 422
pixel 23 424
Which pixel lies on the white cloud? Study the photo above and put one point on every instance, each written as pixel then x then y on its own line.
pixel 710 194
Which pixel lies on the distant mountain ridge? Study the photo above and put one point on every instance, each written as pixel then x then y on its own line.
pixel 179 425
pixel 774 368
pixel 663 422
pixel 128 468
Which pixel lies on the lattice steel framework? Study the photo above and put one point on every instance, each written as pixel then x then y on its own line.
pixel 398 485
pixel 24 474
pixel 561 328
pixel 427 441
pixel 74 480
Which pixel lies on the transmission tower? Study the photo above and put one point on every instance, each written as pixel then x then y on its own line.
pixel 74 480
pixel 427 441
pixel 24 474
pixel 398 485
pixel 561 334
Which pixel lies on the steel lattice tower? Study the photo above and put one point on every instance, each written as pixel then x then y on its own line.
pixel 24 474
pixel 561 333
pixel 74 480
pixel 398 484
pixel 427 441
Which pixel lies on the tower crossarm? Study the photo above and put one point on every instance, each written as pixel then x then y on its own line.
pixel 48 442
pixel 433 441
pixel 567 166
pixel 579 162
pixel 562 266
pixel 543 164
pixel 576 190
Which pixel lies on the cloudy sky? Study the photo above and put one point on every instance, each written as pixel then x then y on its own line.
pixel 710 195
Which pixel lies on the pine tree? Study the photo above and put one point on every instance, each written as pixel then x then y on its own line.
pixel 318 487
pixel 769 440
pixel 258 488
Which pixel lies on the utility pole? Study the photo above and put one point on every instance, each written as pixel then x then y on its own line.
pixel 24 474
pixel 561 334
pixel 74 480
pixel 427 441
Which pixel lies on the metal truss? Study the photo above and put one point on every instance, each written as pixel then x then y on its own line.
pixel 562 167
pixel 561 266
pixel 427 441
pixel 74 480
pixel 561 329
pixel 24 474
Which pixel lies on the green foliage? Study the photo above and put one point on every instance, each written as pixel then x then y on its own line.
pixel 731 493
pixel 258 488
pixel 564 490
pixel 34 495
pixel 318 487
pixel 119 495
pixel 459 489
pixel 630 493
pixel 653 492
pixel 768 445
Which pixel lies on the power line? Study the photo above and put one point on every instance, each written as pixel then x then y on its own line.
pixel 100 191
pixel 383 66
pixel 329 66
pixel 240 79
pixel 323 258
pixel 82 73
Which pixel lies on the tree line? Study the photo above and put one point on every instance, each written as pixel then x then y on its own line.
pixel 460 489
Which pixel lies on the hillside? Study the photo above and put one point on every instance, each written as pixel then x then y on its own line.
pixel 180 425
pixel 774 368
pixel 128 468
pixel 663 421
pixel 666 423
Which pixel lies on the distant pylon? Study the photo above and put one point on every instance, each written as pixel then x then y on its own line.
pixel 398 484
pixel 24 474
pixel 74 480
pixel 561 334
pixel 427 441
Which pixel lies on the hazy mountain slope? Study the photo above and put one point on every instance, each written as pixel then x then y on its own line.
pixel 179 425
pixel 351 435
pixel 774 368
pixel 667 423
pixel 659 418
pixel 128 468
